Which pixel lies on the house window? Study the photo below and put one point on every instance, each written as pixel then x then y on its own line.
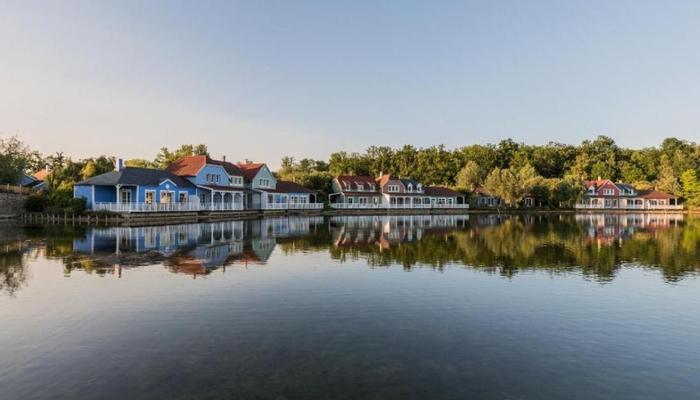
pixel 608 192
pixel 166 196
pixel 410 187
pixel 393 188
pixel 150 196
pixel 371 186
pixel 360 187
pixel 182 197
pixel 419 188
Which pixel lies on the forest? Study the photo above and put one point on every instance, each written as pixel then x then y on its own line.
pixel 551 173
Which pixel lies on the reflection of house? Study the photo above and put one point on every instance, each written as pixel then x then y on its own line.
pixel 389 191
pixel 388 231
pixel 606 228
pixel 605 194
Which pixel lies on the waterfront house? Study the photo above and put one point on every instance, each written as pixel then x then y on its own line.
pixel 351 191
pixel 388 191
pixel 484 199
pixel 265 192
pixel 130 189
pixel 606 194
pixel 220 184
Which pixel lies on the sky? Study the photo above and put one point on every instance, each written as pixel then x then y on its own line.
pixel 265 79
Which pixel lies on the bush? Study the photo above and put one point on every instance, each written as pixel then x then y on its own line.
pixel 36 202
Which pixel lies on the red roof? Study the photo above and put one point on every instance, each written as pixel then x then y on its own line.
pixel 440 191
pixel 654 194
pixel 249 170
pixel 350 182
pixel 291 187
pixel 189 166
pixel 41 174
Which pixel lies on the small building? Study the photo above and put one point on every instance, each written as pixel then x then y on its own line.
pixel 484 199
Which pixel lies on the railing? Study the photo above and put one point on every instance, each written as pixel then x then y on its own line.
pixel 145 207
pixel 629 207
pixel 396 206
pixel 7 188
pixel 305 206
pixel 221 207
pixel 292 206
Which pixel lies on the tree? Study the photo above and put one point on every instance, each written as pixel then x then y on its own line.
pixel 469 176
pixel 503 183
pixel 165 157
pixel 667 180
pixel 16 158
pixel 691 187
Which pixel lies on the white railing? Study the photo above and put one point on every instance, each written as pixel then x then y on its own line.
pixel 221 207
pixel 342 206
pixel 292 206
pixel 145 207
pixel 629 207
pixel 305 206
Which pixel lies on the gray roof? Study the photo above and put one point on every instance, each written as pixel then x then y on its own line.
pixel 406 181
pixel 136 176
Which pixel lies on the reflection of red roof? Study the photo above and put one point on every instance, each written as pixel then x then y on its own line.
pixel 249 169
pixel 189 166
pixel 440 191
pixel 654 194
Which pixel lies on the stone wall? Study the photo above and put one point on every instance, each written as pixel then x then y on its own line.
pixel 11 204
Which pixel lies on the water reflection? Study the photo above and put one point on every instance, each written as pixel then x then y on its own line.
pixel 596 245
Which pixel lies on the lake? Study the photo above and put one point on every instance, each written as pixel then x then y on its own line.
pixel 547 306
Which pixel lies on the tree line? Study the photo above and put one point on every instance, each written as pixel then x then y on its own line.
pixel 550 173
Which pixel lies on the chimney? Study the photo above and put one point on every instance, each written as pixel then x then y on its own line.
pixel 119 164
pixel 599 178
pixel 223 157
pixel 381 174
pixel 247 161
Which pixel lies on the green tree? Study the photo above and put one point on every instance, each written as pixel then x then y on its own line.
pixel 469 177
pixel 691 187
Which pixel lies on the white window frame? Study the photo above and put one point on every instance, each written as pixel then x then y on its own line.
pixel 180 195
pixel 145 196
pixel 168 192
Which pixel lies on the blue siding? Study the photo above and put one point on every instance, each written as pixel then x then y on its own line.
pixel 85 192
pixel 264 173
pixel 105 194
pixel 201 178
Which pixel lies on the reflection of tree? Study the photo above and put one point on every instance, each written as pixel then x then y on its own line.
pixel 557 244
pixel 13 270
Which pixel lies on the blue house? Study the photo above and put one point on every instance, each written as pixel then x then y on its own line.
pixel 219 184
pixel 264 191
pixel 130 189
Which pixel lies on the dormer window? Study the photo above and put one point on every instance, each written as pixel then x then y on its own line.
pixel 360 187
pixel 371 187
pixel 419 188
pixel 410 187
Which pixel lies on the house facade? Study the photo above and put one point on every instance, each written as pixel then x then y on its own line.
pixel 137 189
pixel 219 184
pixel 484 199
pixel 606 194
pixel 265 192
pixel 196 183
pixel 388 191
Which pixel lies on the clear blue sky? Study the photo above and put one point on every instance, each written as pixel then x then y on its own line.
pixel 263 79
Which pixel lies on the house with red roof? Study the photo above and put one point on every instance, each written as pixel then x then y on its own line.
pixel 605 194
pixel 220 184
pixel 389 191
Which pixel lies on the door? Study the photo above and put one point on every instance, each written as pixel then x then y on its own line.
pixel 165 197
pixel 125 196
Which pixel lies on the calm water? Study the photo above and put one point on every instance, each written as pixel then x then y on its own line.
pixel 435 307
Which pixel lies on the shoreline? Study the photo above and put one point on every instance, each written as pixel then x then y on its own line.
pixel 168 218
